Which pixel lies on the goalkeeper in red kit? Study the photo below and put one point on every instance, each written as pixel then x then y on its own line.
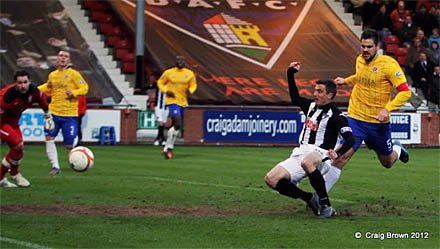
pixel 14 100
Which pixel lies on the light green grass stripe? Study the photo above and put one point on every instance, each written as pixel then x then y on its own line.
pixel 207 184
pixel 22 243
pixel 225 186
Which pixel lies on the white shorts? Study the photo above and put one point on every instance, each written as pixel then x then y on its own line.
pixel 293 163
pixel 161 114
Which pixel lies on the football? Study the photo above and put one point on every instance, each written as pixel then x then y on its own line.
pixel 81 159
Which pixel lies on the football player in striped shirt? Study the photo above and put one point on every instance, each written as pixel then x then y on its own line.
pixel 370 103
pixel 160 111
pixel 320 138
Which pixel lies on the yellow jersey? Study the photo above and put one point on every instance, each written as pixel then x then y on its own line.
pixel 62 104
pixel 373 83
pixel 179 81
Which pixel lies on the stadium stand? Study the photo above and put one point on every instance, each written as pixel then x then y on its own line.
pixel 400 54
pixel 105 35
pixel 393 45
pixel 37 30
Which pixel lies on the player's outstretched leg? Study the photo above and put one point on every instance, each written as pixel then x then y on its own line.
pixel 318 183
pixel 52 154
pixel 327 212
pixel 404 155
pixel 169 146
pixel 21 181
pixel 313 203
pixel 4 183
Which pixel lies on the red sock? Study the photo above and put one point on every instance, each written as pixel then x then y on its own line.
pixel 3 171
pixel 13 157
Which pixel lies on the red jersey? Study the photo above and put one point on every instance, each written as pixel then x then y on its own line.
pixel 82 105
pixel 13 103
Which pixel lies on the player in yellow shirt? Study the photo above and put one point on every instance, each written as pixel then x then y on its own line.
pixel 175 83
pixel 64 86
pixel 370 102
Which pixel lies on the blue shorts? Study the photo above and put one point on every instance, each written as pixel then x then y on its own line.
pixel 68 126
pixel 377 137
pixel 176 110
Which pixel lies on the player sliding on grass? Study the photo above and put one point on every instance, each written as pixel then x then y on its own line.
pixel 370 102
pixel 325 126
pixel 175 83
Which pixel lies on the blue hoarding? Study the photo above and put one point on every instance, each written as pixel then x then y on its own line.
pixel 282 127
pixel 251 126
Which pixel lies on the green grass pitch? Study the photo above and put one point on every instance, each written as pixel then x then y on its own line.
pixel 215 197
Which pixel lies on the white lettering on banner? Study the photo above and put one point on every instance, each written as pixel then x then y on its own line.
pixel 276 5
pixel 157 2
pixel 250 125
pixel 32 124
pixel 233 4
pixel 29 119
pixel 399 119
pixel 199 3
pixel 401 135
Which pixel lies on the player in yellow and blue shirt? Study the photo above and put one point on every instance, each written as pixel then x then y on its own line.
pixel 175 83
pixel 370 102
pixel 64 86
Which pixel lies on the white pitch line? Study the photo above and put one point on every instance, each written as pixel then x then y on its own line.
pixel 22 243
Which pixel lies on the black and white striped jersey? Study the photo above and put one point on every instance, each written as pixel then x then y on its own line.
pixel 160 97
pixel 325 126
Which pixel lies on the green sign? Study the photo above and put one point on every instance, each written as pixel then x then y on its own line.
pixel 147 120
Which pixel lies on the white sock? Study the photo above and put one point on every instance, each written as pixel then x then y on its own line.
pixel 397 149
pixel 52 154
pixel 6 163
pixel 331 177
pixel 171 139
pixel 75 142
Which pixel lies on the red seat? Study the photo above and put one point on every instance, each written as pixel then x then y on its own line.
pixel 128 67
pixel 129 57
pixel 401 51
pixel 117 30
pixel 96 15
pixel 105 28
pixel 121 53
pixel 124 44
pixel 391 48
pixel 95 5
pixel 391 39
pixel 401 60
pixel 112 40
pixel 102 17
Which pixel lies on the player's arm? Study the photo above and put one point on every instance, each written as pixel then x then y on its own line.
pixel 161 82
pixel 347 134
pixel 349 141
pixel 350 80
pixel 49 124
pixel 403 95
pixel 81 85
pixel 192 84
pixel 398 80
pixel 46 87
pixel 296 99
